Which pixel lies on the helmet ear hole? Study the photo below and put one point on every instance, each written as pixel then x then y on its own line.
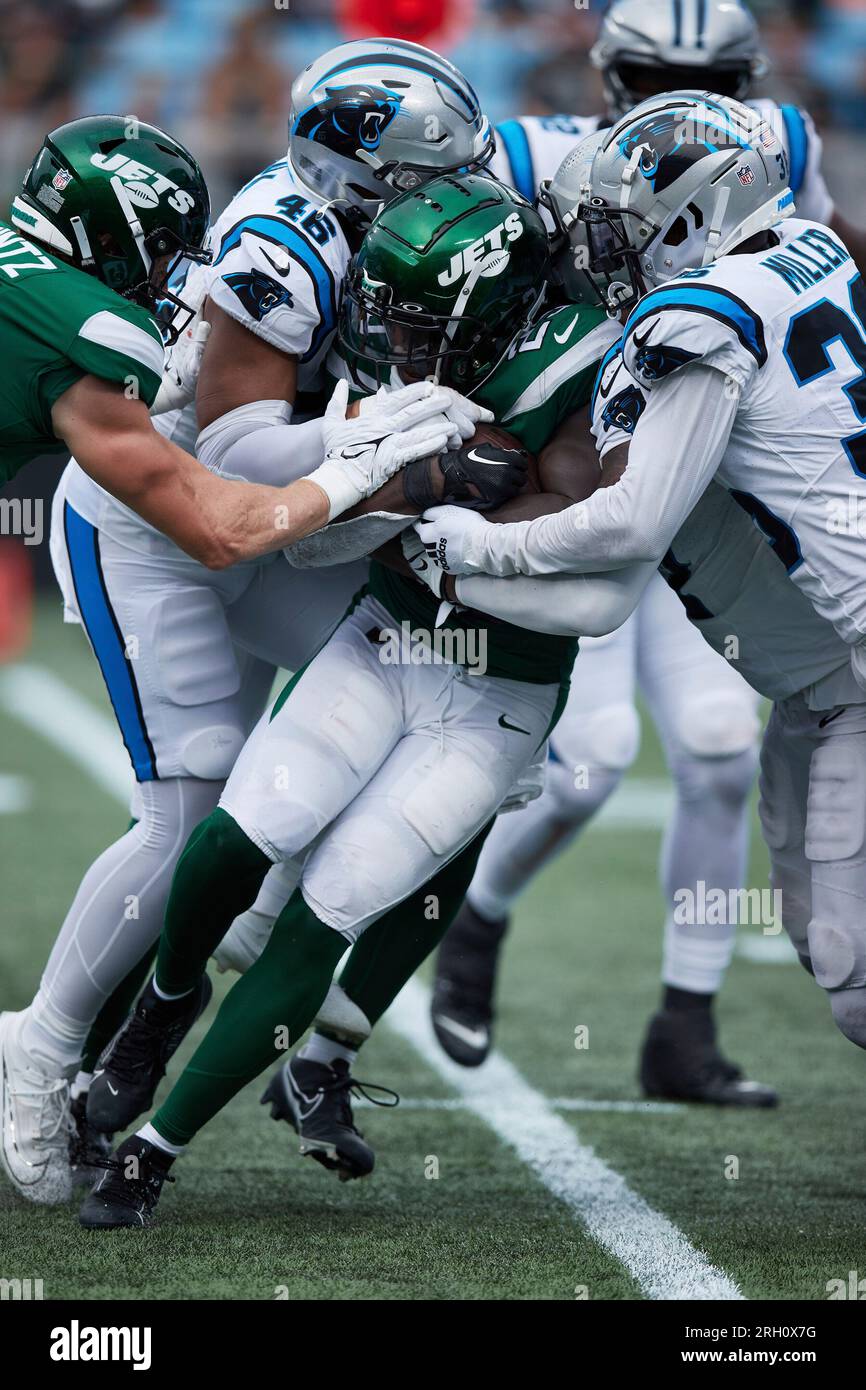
pixel 677 233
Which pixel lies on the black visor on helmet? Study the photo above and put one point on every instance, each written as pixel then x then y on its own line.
pixel 639 79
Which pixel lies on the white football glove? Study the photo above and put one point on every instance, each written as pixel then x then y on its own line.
pixel 453 538
pixel 363 453
pixel 465 414
pixel 182 366
pixel 426 572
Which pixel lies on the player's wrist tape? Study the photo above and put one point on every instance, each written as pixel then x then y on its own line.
pixel 420 488
pixel 341 491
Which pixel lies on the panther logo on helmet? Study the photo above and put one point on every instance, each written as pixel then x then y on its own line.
pixel 349 118
pixel 671 140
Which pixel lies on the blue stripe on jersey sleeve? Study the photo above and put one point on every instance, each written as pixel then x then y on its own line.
pixel 709 300
pixel 516 143
pixel 282 234
pixel 798 145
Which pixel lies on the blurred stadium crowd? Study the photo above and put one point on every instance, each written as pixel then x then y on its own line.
pixel 217 72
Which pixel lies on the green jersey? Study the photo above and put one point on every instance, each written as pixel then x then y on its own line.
pixel 547 375
pixel 58 324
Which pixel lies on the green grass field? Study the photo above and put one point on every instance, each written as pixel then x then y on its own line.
pixel 249 1219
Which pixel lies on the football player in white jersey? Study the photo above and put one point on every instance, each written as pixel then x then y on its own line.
pixel 748 360
pixel 704 713
pixel 188 655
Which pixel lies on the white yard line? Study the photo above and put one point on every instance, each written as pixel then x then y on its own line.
pixel 568 1103
pixel 47 705
pixel 657 1255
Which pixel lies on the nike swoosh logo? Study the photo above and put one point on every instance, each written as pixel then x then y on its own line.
pixel 476 1037
pixel 111 1089
pixel 564 337
pixel 638 340
pixel 504 724
pixel 282 270
pixel 476 458
pixel 604 391
pixel 828 719
pixel 303 1106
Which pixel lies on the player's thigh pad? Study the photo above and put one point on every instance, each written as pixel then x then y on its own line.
pixel 323 740
pixel 444 780
pixel 784 787
pixel 836 850
pixel 156 623
pixel 700 703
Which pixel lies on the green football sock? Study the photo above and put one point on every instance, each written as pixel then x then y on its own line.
pixel 267 1011
pixel 391 950
pixel 218 876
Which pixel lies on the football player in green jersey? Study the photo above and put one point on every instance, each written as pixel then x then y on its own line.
pixel 109 208
pixel 402 744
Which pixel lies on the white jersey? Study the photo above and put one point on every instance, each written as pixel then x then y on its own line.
pixel 278 267
pixel 531 148
pixel 731 584
pixel 787 328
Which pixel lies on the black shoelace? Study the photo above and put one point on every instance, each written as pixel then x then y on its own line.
pixel 342 1087
pixel 134 1190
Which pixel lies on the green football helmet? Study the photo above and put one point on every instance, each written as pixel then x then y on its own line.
pixel 444 281
pixel 120 200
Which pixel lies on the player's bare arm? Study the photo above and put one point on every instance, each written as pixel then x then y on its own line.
pixel 238 367
pixel 215 521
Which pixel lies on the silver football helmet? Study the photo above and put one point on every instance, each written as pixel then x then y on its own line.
pixel 378 117
pixel 681 181
pixel 562 197
pixel 650 46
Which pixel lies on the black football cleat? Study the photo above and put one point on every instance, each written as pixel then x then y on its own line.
pixel 127 1192
pixel 462 1005
pixel 134 1062
pixel 681 1061
pixel 316 1100
pixel 89 1147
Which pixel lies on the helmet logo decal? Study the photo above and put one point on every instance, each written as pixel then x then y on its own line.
pixel 349 118
pixel 144 186
pixel 62 179
pixel 670 140
pixel 745 175
pixel 489 255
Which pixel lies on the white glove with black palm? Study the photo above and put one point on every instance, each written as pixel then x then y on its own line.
pixel 394 429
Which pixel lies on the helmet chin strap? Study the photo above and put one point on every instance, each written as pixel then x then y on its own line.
pixel 717 220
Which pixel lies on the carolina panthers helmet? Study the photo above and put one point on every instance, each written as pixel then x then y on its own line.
pixel 378 117
pixel 681 181
pixel 445 280
pixel 651 46
pixel 562 197
pixel 120 200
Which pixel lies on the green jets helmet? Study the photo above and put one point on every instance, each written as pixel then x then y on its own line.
pixel 445 280
pixel 120 200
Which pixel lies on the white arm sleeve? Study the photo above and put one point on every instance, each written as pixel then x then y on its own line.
pixel 256 443
pixel 563 605
pixel 676 448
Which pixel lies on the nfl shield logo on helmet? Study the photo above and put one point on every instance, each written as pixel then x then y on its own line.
pixel 745 175
pixel 61 179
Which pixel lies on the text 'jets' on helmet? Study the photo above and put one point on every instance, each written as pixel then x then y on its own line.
pixel 445 280
pixel 651 46
pixel 378 117
pixel 682 180
pixel 120 200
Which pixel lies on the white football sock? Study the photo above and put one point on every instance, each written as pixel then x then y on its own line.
pixel 318 1048
pixel 154 1137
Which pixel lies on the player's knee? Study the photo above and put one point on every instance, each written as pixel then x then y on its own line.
pixel 726 781
pixel 575 794
pixel 719 726
pixel 210 753
pixel 169 809
pixel 849 1012
pixel 837 951
pixel 607 738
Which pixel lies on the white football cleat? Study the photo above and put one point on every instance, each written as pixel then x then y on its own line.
pixel 34 1110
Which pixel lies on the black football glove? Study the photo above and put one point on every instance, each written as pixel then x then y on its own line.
pixel 480 475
